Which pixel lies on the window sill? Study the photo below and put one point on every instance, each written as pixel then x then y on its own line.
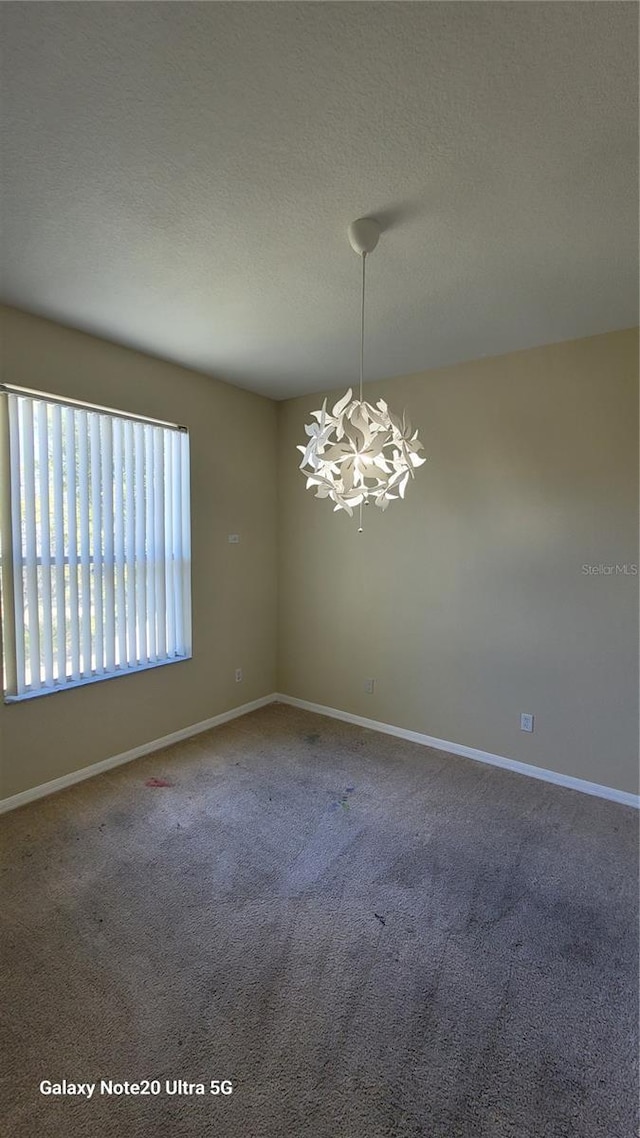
pixel 71 685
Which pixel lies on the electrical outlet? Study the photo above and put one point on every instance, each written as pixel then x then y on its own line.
pixel 526 722
pixel 369 686
pixel 238 675
pixel 233 538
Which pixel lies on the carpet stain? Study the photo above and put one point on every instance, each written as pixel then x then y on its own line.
pixel 312 738
pixel 343 801
pixel 158 782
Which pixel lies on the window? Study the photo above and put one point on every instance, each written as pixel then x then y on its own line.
pixel 95 543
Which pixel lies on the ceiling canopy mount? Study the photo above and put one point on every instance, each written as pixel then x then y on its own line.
pixel 364 235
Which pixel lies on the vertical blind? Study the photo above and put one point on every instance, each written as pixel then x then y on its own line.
pixel 96 548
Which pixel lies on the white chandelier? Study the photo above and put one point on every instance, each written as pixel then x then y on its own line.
pixel 358 453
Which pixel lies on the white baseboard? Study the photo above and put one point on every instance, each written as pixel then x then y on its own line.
pixel 127 756
pixel 622 796
pixel 594 788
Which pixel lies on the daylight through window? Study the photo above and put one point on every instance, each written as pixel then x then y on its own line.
pixel 95 529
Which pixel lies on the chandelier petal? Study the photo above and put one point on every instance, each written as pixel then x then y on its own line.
pixel 353 465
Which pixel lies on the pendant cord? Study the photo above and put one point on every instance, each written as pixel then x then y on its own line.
pixel 364 261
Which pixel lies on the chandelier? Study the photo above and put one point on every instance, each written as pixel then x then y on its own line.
pixel 358 453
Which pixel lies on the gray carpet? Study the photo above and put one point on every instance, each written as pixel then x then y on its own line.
pixel 369 938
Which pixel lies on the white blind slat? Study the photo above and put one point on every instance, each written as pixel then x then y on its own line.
pixel 57 486
pixel 185 520
pixel 177 545
pixel 96 543
pixel 130 542
pixel 118 546
pixel 168 529
pixel 45 540
pixel 149 515
pixel 140 555
pixel 106 440
pixel 14 539
pixel 159 543
pixel 85 544
pixel 32 641
pixel 71 453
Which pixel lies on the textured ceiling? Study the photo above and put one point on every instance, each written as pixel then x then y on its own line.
pixel 179 178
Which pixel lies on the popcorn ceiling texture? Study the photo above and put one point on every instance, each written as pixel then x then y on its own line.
pixel 180 178
pixel 372 939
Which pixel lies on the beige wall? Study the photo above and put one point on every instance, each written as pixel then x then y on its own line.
pixel 233 439
pixel 467 603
